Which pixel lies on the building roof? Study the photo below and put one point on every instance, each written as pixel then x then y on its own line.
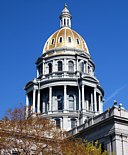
pixel 65 37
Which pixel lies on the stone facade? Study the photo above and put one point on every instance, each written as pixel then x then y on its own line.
pixel 110 129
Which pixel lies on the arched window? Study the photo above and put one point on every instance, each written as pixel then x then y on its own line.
pixel 50 67
pixel 82 66
pixel 71 66
pixel 52 42
pixel 60 40
pixel 77 40
pixel 61 22
pixel 69 39
pixel 60 102
pixel 67 22
pixel 71 102
pixel 59 65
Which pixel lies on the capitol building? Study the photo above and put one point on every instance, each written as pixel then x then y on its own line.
pixel 67 91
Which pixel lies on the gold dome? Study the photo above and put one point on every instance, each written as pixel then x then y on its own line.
pixel 65 38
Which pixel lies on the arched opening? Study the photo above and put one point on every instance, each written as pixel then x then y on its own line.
pixel 60 102
pixel 77 40
pixel 69 39
pixel 71 102
pixel 71 66
pixel 59 65
pixel 67 22
pixel 52 42
pixel 60 40
pixel 64 22
pixel 50 67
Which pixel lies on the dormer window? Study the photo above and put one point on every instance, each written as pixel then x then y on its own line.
pixel 77 40
pixel 60 40
pixel 52 42
pixel 69 39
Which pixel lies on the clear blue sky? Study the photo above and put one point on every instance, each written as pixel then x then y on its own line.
pixel 26 24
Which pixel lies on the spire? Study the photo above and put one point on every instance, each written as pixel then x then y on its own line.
pixel 65 17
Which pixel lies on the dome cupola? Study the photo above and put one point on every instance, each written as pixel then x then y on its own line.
pixel 65 17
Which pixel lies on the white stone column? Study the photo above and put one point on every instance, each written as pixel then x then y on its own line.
pixel 65 97
pixel 86 67
pixel 125 144
pixel 61 123
pixel 65 64
pixel 37 72
pixel 34 98
pixel 117 145
pixel 66 126
pixel 54 69
pixel 50 98
pixel 27 100
pixel 79 98
pixel 74 106
pixel 77 64
pixel 65 67
pixel 43 68
pixel 100 104
pixel 87 105
pixel 38 102
pixel 92 102
pixel 83 106
pixel 27 105
pixel 95 102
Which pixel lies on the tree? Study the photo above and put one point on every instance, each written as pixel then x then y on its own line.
pixel 38 135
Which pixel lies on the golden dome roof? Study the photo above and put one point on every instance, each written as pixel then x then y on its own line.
pixel 65 38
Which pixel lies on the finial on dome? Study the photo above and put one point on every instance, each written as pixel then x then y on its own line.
pixel 65 5
pixel 65 17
